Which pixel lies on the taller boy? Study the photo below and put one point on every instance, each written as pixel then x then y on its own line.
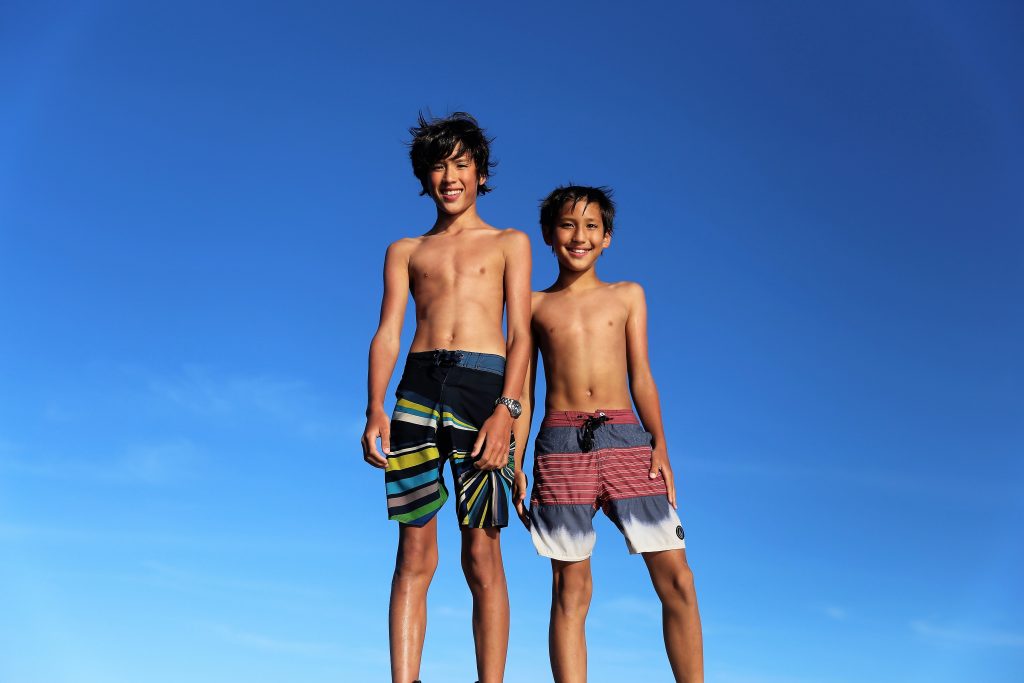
pixel 457 397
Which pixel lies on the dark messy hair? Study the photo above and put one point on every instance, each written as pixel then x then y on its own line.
pixel 435 140
pixel 551 207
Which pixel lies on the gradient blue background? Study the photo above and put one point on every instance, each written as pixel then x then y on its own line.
pixel 822 200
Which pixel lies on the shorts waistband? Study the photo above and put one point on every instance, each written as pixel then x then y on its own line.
pixel 576 418
pixel 471 360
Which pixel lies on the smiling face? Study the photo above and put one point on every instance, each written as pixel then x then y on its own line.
pixel 578 236
pixel 453 182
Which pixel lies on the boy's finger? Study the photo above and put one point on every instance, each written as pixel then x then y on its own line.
pixel 385 440
pixel 670 487
pixel 375 458
pixel 477 444
pixel 653 474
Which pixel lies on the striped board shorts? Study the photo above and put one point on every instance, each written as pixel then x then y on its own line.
pixel 443 398
pixel 586 461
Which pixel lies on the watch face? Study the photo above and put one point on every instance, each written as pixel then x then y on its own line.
pixel 515 408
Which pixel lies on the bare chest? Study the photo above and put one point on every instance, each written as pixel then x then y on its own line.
pixel 454 265
pixel 569 323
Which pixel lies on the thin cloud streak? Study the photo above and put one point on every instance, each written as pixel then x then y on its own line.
pixel 968 636
pixel 265 642
pixel 159 462
pixel 287 402
pixel 919 484
pixel 177 578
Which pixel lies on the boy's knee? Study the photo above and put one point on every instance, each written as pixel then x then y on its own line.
pixel 416 565
pixel 572 591
pixel 681 586
pixel 481 562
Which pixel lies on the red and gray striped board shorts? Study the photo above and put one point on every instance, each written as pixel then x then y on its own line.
pixel 585 461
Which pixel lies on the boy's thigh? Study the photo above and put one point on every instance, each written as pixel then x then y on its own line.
pixel 482 496
pixel 564 497
pixel 414 486
pixel 563 532
pixel 649 523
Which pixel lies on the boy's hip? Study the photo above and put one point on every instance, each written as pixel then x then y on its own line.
pixel 584 436
pixel 456 358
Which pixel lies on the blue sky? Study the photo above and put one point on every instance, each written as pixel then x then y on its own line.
pixel 821 200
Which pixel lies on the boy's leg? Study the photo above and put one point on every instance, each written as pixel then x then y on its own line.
pixel 485 574
pixel 673 581
pixel 571 589
pixel 414 568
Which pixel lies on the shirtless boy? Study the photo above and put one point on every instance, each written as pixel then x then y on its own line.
pixel 591 451
pixel 457 397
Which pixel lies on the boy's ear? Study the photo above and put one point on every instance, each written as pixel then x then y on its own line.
pixel 545 233
pixel 481 180
pixel 607 240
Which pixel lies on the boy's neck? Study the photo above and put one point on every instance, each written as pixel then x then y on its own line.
pixel 455 223
pixel 576 280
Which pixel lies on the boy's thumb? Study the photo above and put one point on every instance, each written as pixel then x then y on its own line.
pixel 385 441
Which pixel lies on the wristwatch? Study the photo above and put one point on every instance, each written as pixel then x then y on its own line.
pixel 515 408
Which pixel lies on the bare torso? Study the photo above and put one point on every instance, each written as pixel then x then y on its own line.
pixel 457 284
pixel 582 338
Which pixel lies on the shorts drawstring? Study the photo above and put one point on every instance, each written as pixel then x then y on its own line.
pixel 587 430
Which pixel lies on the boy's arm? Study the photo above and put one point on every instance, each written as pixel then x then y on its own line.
pixel 384 352
pixel 492 441
pixel 521 430
pixel 643 389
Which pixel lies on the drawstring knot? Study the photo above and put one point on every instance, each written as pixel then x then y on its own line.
pixel 587 430
pixel 445 358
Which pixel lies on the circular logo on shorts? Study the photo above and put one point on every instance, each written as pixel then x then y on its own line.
pixel 679 532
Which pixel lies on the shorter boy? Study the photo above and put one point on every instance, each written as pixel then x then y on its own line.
pixel 591 451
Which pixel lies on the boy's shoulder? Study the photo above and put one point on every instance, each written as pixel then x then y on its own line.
pixel 404 244
pixel 513 237
pixel 514 244
pixel 627 289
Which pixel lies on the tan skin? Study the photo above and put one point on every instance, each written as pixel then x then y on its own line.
pixel 463 275
pixel 593 339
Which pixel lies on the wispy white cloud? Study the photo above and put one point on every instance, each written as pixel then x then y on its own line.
pixel 288 402
pixel 261 641
pixel 834 612
pixel 452 612
pixel 968 635
pixel 913 484
pixel 731 676
pixel 155 463
pixel 191 539
pixel 178 578
pixel 158 462
pixel 631 605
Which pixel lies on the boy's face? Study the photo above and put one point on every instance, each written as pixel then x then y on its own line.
pixel 453 182
pixel 578 236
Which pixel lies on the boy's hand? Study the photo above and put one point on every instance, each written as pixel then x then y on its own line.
pixel 377 425
pixel 519 487
pixel 492 441
pixel 659 462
